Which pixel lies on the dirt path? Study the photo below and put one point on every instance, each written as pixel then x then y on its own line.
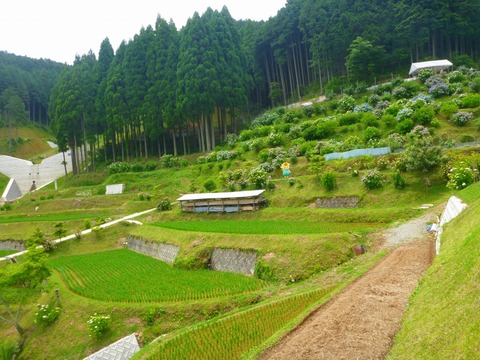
pixel 361 321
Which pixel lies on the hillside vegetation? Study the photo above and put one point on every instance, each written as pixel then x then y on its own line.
pixel 442 321
pixel 304 253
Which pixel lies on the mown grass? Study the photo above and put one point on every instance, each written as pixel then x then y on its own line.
pixel 443 318
pixel 266 227
pixel 126 276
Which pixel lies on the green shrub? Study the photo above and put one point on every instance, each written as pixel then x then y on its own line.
pixel 425 74
pixel 137 167
pixel 349 119
pixel 460 177
pixel 371 133
pixel 210 185
pixel 347 103
pixel 448 108
pixel 118 167
pixel 164 205
pixel 423 115
pixel 329 180
pixel 470 101
pixel 151 165
pixel 398 181
pixel 46 314
pixel 98 325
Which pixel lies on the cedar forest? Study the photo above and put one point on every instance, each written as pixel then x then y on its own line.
pixel 172 90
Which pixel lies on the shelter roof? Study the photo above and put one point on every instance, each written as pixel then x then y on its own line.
pixel 221 195
pixel 436 65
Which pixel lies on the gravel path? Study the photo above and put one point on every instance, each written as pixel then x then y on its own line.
pixel 361 321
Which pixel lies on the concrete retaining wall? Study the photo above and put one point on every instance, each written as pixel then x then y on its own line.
pixel 12 245
pixel 337 202
pixel 160 251
pixel 233 260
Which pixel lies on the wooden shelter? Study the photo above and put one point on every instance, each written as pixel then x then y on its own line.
pixel 235 201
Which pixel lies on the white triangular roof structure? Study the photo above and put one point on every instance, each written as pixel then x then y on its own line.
pixel 435 65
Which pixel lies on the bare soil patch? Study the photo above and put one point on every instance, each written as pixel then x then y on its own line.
pixel 361 321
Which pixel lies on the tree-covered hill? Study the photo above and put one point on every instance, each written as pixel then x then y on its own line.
pixel 25 87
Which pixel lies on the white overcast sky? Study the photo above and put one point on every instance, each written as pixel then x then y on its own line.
pixel 60 29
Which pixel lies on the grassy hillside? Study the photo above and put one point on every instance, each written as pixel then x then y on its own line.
pixel 442 321
pixel 300 248
pixel 29 143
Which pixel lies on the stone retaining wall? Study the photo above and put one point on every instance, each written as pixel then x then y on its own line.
pixel 160 251
pixel 337 202
pixel 12 245
pixel 233 260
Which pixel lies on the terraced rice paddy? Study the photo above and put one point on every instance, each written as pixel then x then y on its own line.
pixel 126 276
pixel 267 226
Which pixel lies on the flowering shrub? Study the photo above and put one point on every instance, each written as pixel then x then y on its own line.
pixel 46 314
pixel 460 118
pixel 403 114
pixel 231 139
pixel 400 92
pixel 362 108
pixel 374 99
pixel 258 178
pixel 268 118
pixel 436 86
pixel 382 163
pixel 346 103
pixel 118 167
pixel 425 74
pixel 427 99
pixel 460 177
pixel 98 325
pixel 372 180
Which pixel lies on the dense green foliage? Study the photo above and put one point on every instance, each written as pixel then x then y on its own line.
pixel 123 275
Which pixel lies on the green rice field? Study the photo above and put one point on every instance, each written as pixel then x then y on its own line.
pixel 267 226
pixel 233 336
pixel 126 276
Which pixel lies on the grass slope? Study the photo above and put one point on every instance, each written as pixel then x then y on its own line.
pixel 443 318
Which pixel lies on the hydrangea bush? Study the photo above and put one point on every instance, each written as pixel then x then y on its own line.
pixel 46 314
pixel 460 177
pixel 98 325
pixel 372 179
pixel 461 118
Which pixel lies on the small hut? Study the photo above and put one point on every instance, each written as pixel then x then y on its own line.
pixel 223 202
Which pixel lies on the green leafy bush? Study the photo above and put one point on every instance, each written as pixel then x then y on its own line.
pixel 98 325
pixel 164 205
pixel 470 101
pixel 329 180
pixel 210 185
pixel 46 314
pixel 398 181
pixel 118 167
pixel 460 177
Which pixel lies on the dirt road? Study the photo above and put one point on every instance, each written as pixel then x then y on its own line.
pixel 361 321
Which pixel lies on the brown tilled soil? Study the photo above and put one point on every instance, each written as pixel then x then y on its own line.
pixel 361 321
